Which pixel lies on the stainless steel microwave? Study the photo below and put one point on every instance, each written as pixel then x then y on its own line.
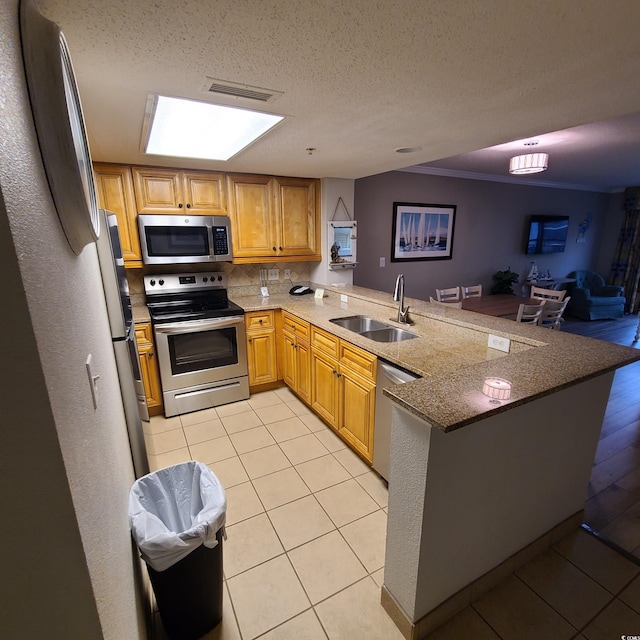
pixel 184 239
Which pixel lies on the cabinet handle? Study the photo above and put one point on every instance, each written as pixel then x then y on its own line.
pixel 260 321
pixel 280 248
pixel 335 372
pixel 180 205
pixel 250 340
pixel 151 354
pixel 273 248
pixel 339 375
pixel 188 205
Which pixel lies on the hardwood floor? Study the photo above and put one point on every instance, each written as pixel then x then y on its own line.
pixel 613 503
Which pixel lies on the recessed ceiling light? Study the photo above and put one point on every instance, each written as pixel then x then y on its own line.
pixel 193 129
pixel 408 149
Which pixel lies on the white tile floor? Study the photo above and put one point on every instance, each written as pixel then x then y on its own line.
pixel 306 520
pixel 306 524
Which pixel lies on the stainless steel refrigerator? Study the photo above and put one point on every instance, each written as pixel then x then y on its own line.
pixel 116 290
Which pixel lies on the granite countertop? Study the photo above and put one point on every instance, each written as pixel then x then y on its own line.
pixel 451 353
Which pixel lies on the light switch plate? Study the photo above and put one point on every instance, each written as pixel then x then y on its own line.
pixel 93 381
pixel 497 342
pixel 344 298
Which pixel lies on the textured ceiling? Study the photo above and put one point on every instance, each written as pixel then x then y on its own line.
pixel 359 78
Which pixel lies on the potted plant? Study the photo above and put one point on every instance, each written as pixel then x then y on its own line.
pixel 503 281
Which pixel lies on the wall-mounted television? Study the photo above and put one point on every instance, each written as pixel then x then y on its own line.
pixel 547 234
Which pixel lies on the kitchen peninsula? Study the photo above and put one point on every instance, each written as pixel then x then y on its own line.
pixel 476 488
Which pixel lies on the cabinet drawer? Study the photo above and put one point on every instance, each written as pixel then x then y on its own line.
pixel 144 333
pixel 295 325
pixel 259 320
pixel 358 360
pixel 325 342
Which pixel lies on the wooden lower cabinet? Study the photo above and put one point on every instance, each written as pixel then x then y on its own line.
pixel 296 355
pixel 324 387
pixel 261 348
pixel 343 389
pixel 356 400
pixel 149 367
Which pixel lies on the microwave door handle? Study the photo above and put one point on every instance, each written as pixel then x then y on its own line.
pixel 191 326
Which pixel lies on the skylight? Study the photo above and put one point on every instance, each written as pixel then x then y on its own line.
pixel 193 129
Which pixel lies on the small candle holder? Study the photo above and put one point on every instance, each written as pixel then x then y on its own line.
pixel 497 389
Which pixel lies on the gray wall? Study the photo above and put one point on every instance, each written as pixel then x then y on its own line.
pixel 66 560
pixel 489 234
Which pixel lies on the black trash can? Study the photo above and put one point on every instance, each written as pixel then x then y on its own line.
pixel 177 519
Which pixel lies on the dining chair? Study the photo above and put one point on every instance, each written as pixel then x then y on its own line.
pixel 547 294
pixel 529 313
pixel 454 305
pixel 551 316
pixel 474 291
pixel 448 295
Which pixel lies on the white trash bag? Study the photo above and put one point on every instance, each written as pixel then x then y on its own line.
pixel 174 510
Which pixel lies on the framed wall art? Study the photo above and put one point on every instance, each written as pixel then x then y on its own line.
pixel 422 231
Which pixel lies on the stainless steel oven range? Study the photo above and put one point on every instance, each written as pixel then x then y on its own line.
pixel 200 341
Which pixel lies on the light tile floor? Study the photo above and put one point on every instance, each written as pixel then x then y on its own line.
pixel 306 524
pixel 306 520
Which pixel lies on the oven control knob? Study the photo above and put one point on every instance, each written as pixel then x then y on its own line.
pixel 152 283
pixel 219 278
pixel 160 282
pixel 205 279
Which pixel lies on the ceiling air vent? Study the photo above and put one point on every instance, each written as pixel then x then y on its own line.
pixel 233 90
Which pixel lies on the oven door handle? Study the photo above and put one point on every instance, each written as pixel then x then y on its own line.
pixel 189 326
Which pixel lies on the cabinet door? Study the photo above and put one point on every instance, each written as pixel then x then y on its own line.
pixel 115 193
pixel 250 210
pixel 150 378
pixel 295 215
pixel 158 190
pixel 324 389
pixel 290 360
pixel 303 387
pixel 205 193
pixel 261 356
pixel 357 398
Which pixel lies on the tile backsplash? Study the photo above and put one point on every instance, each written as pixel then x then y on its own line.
pixel 243 279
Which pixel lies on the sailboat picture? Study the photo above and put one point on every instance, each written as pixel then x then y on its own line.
pixel 422 231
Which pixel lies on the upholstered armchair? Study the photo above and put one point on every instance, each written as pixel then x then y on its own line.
pixel 592 299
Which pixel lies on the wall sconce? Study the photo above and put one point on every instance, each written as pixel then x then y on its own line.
pixel 529 163
pixel 497 389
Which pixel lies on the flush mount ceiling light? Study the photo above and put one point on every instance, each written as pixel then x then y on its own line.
pixel 529 163
pixel 193 129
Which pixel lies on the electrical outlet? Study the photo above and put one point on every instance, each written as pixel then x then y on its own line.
pixel 287 274
pixel 274 274
pixel 382 262
pixel 496 342
pixel 344 298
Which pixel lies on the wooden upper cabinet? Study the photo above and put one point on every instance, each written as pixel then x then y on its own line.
pixel 114 185
pixel 179 192
pixel 296 216
pixel 274 218
pixel 205 193
pixel 250 210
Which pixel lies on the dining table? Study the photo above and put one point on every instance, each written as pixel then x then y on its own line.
pixel 499 304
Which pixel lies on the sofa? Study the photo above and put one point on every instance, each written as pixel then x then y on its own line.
pixel 592 299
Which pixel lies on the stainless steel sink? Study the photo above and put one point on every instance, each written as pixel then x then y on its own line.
pixel 389 334
pixel 359 324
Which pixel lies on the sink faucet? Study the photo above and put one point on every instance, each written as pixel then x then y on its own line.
pixel 398 296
